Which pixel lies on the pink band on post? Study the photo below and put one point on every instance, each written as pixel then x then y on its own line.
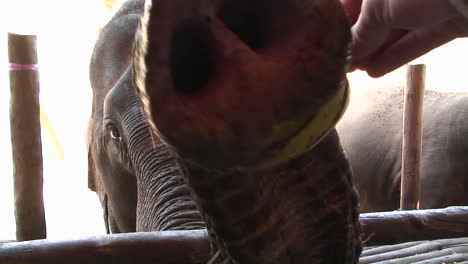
pixel 23 67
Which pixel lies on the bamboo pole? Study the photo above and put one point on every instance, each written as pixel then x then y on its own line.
pixel 377 250
pixel 166 247
pixel 412 137
pixel 389 228
pixel 424 251
pixel 26 138
pixel 453 258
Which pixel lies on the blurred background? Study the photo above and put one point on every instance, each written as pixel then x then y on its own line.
pixel 66 32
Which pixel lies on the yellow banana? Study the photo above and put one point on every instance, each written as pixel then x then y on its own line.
pixel 313 130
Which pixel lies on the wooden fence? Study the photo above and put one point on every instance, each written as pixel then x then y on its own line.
pixel 190 247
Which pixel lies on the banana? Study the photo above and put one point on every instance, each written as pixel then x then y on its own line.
pixel 313 130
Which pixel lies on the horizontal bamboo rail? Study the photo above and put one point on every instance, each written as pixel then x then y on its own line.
pixel 403 226
pixel 168 247
pixel 193 247
pixel 424 251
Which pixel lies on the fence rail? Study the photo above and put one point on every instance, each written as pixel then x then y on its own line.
pixel 193 247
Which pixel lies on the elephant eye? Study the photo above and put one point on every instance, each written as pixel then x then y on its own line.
pixel 111 128
pixel 115 135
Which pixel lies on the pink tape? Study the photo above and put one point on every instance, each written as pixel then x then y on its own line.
pixel 23 67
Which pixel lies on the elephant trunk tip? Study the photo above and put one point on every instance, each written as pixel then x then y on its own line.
pixel 225 83
pixel 192 56
pixel 195 55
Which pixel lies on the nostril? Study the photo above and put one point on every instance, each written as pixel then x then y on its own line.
pixel 192 55
pixel 245 20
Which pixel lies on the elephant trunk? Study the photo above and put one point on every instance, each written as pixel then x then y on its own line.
pixel 164 200
pixel 246 94
pixel 304 211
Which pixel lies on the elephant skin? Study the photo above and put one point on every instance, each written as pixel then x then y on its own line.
pixel 371 134
pixel 192 98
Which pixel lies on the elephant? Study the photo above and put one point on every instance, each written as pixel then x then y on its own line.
pixel 221 114
pixel 371 134
pixel 125 169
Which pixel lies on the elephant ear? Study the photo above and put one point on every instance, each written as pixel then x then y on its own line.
pixel 92 181
pixel 92 184
pixel 94 177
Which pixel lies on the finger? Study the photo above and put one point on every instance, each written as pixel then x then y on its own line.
pixel 393 36
pixel 367 38
pixel 411 46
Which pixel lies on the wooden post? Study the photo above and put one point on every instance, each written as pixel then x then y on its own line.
pixel 412 137
pixel 26 138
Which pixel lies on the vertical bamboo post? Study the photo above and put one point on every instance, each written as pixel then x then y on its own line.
pixel 412 137
pixel 26 137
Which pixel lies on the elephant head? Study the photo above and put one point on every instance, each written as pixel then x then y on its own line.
pixel 240 99
pixel 136 178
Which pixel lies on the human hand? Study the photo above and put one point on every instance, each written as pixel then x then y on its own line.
pixel 390 33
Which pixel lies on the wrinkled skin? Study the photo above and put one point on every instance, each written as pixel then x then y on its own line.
pixel 223 85
pixel 371 134
pixel 138 182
